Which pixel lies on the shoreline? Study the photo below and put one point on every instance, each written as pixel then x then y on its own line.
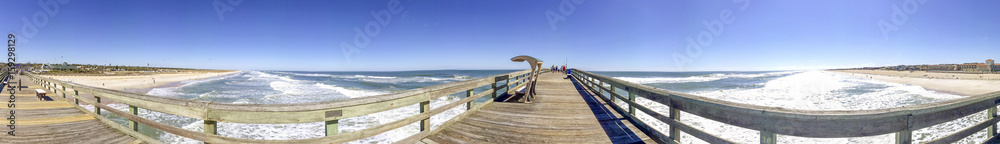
pixel 139 84
pixel 169 85
pixel 962 85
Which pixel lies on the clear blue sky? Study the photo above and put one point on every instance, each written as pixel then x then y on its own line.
pixel 463 34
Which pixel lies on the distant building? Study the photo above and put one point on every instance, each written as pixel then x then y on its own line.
pixel 939 67
pixel 990 66
pixel 979 67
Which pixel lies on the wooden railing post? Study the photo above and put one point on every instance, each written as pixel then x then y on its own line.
pixel 904 137
pixel 675 133
pixel 77 98
pixel 767 138
pixel 993 127
pixel 612 93
pixel 631 98
pixel 590 80
pixel 469 93
pixel 131 123
pixel 494 95
pixel 517 81
pixel 600 88
pixel 331 127
pixel 211 127
pixel 509 91
pixel 425 124
pixel 97 109
pixel 498 79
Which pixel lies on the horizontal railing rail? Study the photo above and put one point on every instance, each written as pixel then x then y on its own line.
pixel 804 123
pixel 329 112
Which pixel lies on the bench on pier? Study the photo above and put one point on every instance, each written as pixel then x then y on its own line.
pixel 39 93
pixel 536 67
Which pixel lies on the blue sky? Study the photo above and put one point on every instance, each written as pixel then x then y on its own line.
pixel 460 34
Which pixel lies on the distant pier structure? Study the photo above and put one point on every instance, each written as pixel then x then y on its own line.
pixel 580 107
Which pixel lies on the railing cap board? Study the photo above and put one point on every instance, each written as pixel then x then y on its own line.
pixel 813 123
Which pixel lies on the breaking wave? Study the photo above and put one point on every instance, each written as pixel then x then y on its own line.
pixel 701 78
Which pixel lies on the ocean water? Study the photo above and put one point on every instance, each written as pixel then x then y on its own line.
pixel 812 90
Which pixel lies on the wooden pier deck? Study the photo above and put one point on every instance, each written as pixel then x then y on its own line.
pixel 55 121
pixel 561 112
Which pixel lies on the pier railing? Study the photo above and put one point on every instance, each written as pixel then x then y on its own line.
pixel 329 112
pixel 771 121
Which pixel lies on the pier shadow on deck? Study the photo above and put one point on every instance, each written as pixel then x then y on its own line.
pixel 617 130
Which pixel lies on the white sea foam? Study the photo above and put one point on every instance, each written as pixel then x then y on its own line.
pixel 172 91
pixel 461 76
pixel 648 80
pixel 819 90
pixel 289 89
pixel 378 77
pixel 349 92
pixel 384 79
pixel 307 74
pixel 407 79
pixel 701 78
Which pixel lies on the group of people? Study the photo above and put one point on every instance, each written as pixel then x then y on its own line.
pixel 558 68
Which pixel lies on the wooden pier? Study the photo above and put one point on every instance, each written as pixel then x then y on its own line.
pixel 562 112
pixel 586 108
pixel 55 121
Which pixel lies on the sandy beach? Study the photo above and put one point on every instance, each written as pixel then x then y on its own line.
pixel 140 81
pixel 955 83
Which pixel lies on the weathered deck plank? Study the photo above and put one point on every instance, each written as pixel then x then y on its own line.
pixel 561 112
pixel 57 121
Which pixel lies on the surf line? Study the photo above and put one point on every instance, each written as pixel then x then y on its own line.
pixel 11 40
